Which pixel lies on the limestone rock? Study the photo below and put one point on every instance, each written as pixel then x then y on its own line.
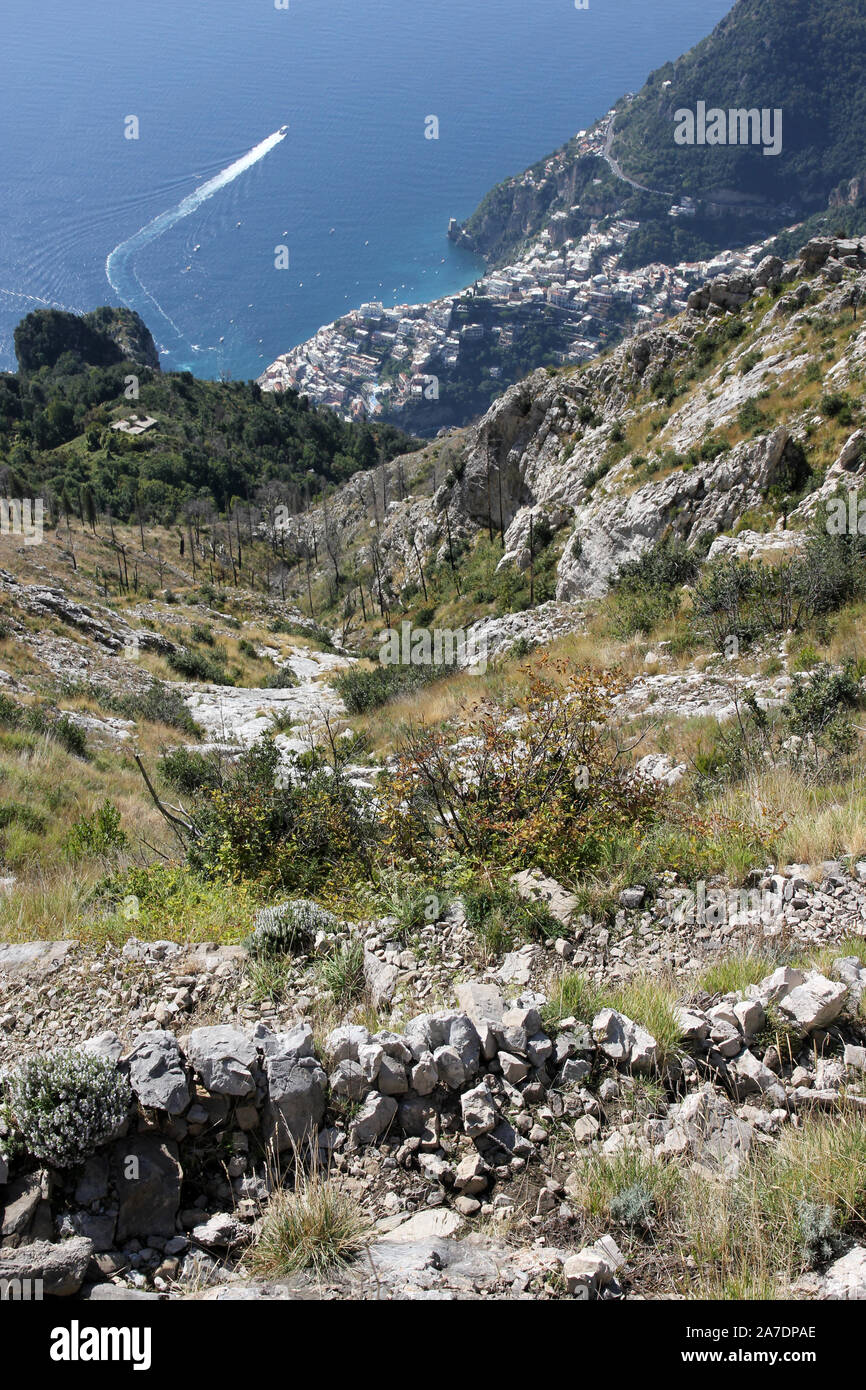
pixel 296 1099
pixel 61 1266
pixel 157 1073
pixel 222 1056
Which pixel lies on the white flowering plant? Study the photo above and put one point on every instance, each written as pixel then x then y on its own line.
pixel 289 928
pixel 66 1104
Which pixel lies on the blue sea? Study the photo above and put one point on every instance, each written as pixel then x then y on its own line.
pixel 187 219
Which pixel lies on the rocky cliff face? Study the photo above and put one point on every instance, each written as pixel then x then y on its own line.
pixel 611 468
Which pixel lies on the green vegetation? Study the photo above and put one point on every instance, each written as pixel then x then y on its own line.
pixel 66 1104
pixel 315 1227
pixel 802 58
pixel 214 441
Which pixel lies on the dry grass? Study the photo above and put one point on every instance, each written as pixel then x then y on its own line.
pixel 317 1226
pixel 820 822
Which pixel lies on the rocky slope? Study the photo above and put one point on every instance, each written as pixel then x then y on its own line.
pixel 555 447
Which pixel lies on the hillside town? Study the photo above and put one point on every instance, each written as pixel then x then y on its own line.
pixel 377 360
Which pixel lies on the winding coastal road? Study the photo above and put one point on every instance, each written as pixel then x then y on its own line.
pixel 614 165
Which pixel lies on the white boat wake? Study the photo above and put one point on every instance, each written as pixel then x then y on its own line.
pixel 119 267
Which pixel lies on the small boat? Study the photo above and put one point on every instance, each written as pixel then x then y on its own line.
pixel 332 232
pixel 283 130
pixel 197 248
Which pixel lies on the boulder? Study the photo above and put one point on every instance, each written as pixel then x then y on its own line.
pixel 625 1042
pixel 223 1057
pixel 449 1067
pixel 704 1125
pixel 380 979
pixel 296 1099
pixel 373 1119
pixel 480 1002
pixel 425 1074
pixel 480 1115
pixel 748 1076
pixel 147 1177
pixel 106 1045
pixel 534 886
pixel 348 1082
pixel 846 1278
pixel 344 1043
pixel 814 1003
pixel 693 1025
pixel 391 1080
pixel 295 1043
pixel 776 986
pixel 157 1073
pixel 61 1266
pixel 220 1232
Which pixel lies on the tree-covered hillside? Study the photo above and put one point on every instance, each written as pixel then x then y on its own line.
pixel 806 58
pixel 211 440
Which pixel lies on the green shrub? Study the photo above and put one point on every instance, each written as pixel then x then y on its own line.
pixel 67 1104
pixel 99 834
pixel 42 719
pixel 16 813
pixel 284 822
pixel 289 928
pixel 363 690
pixel 195 665
pixel 189 772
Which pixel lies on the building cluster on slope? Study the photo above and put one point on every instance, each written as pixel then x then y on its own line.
pixel 377 359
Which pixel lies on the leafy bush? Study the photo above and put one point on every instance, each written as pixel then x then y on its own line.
pixel 189 772
pixel 287 824
pixel 16 813
pixel 812 733
pixel 363 690
pixel 836 405
pixel 289 928
pixel 746 600
pixel 41 719
pixel 645 590
pixel 67 1104
pixel 99 834
pixel 196 665
pixel 814 704
pixel 546 788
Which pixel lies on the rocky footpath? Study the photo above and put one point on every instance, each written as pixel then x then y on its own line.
pixel 461 1132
